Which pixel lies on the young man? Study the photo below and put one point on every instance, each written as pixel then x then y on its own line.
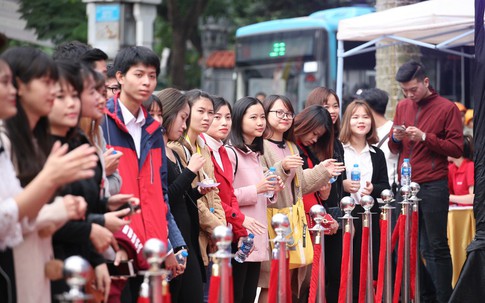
pixel 431 131
pixel 130 129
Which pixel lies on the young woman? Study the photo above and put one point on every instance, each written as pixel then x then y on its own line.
pixel 250 184
pixel 282 153
pixel 211 213
pixel 74 237
pixel 357 135
pixel 314 130
pixel 223 171
pixel 183 196
pixel 461 175
pixel 34 75
pixel 333 244
pixel 91 127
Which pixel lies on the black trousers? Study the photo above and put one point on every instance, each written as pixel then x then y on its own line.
pixel 245 277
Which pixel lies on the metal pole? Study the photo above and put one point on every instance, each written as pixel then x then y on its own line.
pixel 340 68
pixel 281 224
pixel 348 204
pixel 414 191
pixel 282 273
pixel 387 197
pixel 223 238
pixel 406 210
pixel 317 213
pixel 367 203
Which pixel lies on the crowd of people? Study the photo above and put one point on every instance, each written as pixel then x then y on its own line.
pixel 85 143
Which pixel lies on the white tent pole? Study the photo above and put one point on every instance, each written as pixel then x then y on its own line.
pixel 340 70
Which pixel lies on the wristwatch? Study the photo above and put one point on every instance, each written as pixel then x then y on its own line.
pixel 423 137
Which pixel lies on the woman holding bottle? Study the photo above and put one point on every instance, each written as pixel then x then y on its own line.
pixel 250 185
pixel 282 153
pixel 357 135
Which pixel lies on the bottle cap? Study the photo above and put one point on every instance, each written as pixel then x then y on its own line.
pixel 272 169
pixel 185 253
pixel 356 165
pixel 251 236
pixel 406 159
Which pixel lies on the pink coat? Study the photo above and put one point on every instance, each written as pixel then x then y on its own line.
pixel 249 173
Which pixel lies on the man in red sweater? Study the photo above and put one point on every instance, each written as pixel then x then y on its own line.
pixel 431 131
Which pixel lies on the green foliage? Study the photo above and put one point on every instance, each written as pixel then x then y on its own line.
pixel 56 20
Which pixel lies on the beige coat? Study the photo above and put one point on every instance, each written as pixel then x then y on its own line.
pixel 207 220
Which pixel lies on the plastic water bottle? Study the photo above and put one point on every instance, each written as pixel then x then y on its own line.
pixel 355 173
pixel 271 171
pixel 245 249
pixel 406 172
pixel 181 259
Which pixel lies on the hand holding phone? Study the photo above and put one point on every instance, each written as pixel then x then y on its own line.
pixel 124 269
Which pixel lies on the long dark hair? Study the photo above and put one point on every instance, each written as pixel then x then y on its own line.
pixel 268 104
pixel 319 96
pixel 29 147
pixel 310 119
pixel 70 73
pixel 172 101
pixel 236 136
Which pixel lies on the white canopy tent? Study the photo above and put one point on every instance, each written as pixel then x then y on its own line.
pixel 442 25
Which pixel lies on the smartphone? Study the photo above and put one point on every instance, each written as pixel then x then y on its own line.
pixel 399 127
pixel 124 269
pixel 133 207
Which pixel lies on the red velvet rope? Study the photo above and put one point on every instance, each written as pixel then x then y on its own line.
pixel 273 282
pixel 167 298
pixel 395 233
pixel 214 287
pixel 231 285
pixel 317 250
pixel 382 260
pixel 344 270
pixel 414 241
pixel 288 282
pixel 400 259
pixel 364 260
pixel 143 300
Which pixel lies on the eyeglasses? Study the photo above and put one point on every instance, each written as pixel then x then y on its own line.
pixel 114 89
pixel 282 114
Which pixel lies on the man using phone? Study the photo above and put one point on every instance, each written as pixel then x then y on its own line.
pixel 433 131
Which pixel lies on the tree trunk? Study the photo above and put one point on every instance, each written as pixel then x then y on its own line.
pixel 389 59
pixel 177 66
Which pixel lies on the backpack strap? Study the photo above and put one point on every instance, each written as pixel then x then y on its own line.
pixel 382 140
pixel 235 155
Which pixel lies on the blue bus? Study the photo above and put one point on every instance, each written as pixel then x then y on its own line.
pixel 293 56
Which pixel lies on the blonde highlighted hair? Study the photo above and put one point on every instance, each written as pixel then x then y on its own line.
pixel 346 132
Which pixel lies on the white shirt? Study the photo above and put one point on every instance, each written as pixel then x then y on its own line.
pixel 10 228
pixel 133 125
pixel 363 159
pixel 391 158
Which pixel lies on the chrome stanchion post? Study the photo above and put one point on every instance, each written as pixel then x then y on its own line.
pixel 415 200
pixel 223 237
pixel 154 252
pixel 76 272
pixel 348 204
pixel 281 225
pixel 367 203
pixel 387 197
pixel 406 210
pixel 317 213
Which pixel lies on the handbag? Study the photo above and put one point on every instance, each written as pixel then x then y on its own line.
pixel 300 248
